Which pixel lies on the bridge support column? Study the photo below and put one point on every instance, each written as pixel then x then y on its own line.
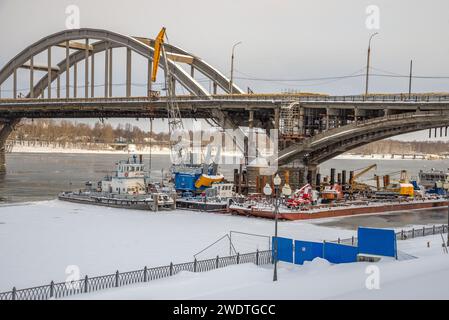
pixel 301 121
pixel 4 133
pixel 251 119
pixel 311 174
pixel 250 140
pixel 356 115
pixel 276 118
pixel 2 159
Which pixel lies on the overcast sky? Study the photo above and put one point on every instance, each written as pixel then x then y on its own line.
pixel 281 40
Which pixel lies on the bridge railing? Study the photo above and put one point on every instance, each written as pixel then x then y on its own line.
pixel 238 98
pixel 377 98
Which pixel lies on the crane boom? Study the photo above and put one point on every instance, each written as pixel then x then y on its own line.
pixel 158 43
pixel 362 172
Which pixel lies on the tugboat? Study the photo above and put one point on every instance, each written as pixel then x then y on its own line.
pixel 434 181
pixel 126 188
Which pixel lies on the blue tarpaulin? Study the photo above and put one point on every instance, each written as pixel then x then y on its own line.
pixel 307 251
pixel 285 249
pixel 380 242
pixel 339 253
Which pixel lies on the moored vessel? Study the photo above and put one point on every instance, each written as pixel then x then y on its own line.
pixel 127 187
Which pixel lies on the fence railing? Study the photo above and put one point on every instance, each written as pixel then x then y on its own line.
pixel 405 234
pixel 118 279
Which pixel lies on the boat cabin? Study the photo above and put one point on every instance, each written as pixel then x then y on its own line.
pixel 128 178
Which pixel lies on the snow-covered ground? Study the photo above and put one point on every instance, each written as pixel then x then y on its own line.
pixel 426 277
pixel 352 156
pixel 39 240
pixel 17 148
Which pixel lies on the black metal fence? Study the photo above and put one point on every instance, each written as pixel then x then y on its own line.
pixel 404 234
pixel 118 279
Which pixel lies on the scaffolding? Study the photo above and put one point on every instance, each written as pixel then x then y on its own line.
pixel 289 122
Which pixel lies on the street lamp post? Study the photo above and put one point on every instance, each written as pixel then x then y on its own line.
pixel 286 191
pixel 232 67
pixel 368 61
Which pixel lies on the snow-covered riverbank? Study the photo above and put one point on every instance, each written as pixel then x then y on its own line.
pixel 39 240
pixel 426 277
pixel 55 149
pixel 17 148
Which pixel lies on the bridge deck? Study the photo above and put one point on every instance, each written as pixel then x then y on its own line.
pixel 194 106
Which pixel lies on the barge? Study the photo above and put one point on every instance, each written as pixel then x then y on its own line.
pixel 153 202
pixel 334 210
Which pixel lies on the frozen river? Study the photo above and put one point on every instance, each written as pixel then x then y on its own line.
pixel 40 176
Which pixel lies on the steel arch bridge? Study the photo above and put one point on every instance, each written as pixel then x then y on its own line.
pixel 325 126
pixel 329 144
pixel 104 42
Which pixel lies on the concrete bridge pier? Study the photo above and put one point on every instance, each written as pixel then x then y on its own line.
pixel 2 160
pixel 5 129
pixel 312 171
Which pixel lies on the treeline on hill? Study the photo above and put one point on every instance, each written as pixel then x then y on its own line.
pixel 403 147
pixel 67 131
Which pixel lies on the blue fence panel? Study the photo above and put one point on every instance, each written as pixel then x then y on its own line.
pixel 285 249
pixel 307 251
pixel 339 253
pixel 380 242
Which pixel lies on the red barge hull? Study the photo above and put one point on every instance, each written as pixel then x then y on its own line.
pixel 332 212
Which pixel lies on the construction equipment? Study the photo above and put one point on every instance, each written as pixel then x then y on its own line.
pixel 158 44
pixel 188 177
pixel 175 123
pixel 401 188
pixel 303 196
pixel 332 193
pixel 359 187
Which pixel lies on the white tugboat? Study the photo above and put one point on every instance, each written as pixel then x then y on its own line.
pixel 126 188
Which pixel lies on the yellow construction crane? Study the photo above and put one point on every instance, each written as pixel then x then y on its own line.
pixel 174 115
pixel 158 43
pixel 355 186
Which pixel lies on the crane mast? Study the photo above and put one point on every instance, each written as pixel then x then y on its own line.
pixel 173 114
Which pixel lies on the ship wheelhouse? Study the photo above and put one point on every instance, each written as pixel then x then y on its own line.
pixel 128 178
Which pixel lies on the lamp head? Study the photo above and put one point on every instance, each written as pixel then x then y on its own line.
pixel 286 190
pixel 267 190
pixel 277 180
